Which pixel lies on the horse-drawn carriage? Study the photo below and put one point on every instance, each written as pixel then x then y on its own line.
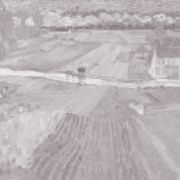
pixel 79 76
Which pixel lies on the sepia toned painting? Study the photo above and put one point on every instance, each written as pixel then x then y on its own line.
pixel 89 89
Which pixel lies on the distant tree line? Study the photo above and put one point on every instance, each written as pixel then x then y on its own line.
pixel 108 20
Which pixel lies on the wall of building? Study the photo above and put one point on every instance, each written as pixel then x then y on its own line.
pixel 168 68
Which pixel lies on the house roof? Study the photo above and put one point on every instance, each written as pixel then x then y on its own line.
pixel 168 52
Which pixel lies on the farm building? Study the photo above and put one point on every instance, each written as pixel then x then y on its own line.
pixel 166 62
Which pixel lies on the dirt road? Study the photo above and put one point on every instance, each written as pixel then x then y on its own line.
pixel 63 77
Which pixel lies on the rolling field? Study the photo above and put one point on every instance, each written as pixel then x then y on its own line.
pixel 87 132
pixel 106 61
pixel 103 53
pixel 27 117
pixel 51 130
pixel 48 57
pixel 110 142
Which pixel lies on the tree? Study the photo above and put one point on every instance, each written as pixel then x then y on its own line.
pixel 31 20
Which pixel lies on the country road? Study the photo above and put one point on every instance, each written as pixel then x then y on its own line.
pixel 62 76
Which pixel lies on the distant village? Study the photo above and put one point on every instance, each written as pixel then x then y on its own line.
pixel 165 61
pixel 160 60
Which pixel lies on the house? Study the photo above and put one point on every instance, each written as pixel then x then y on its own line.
pixel 165 62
